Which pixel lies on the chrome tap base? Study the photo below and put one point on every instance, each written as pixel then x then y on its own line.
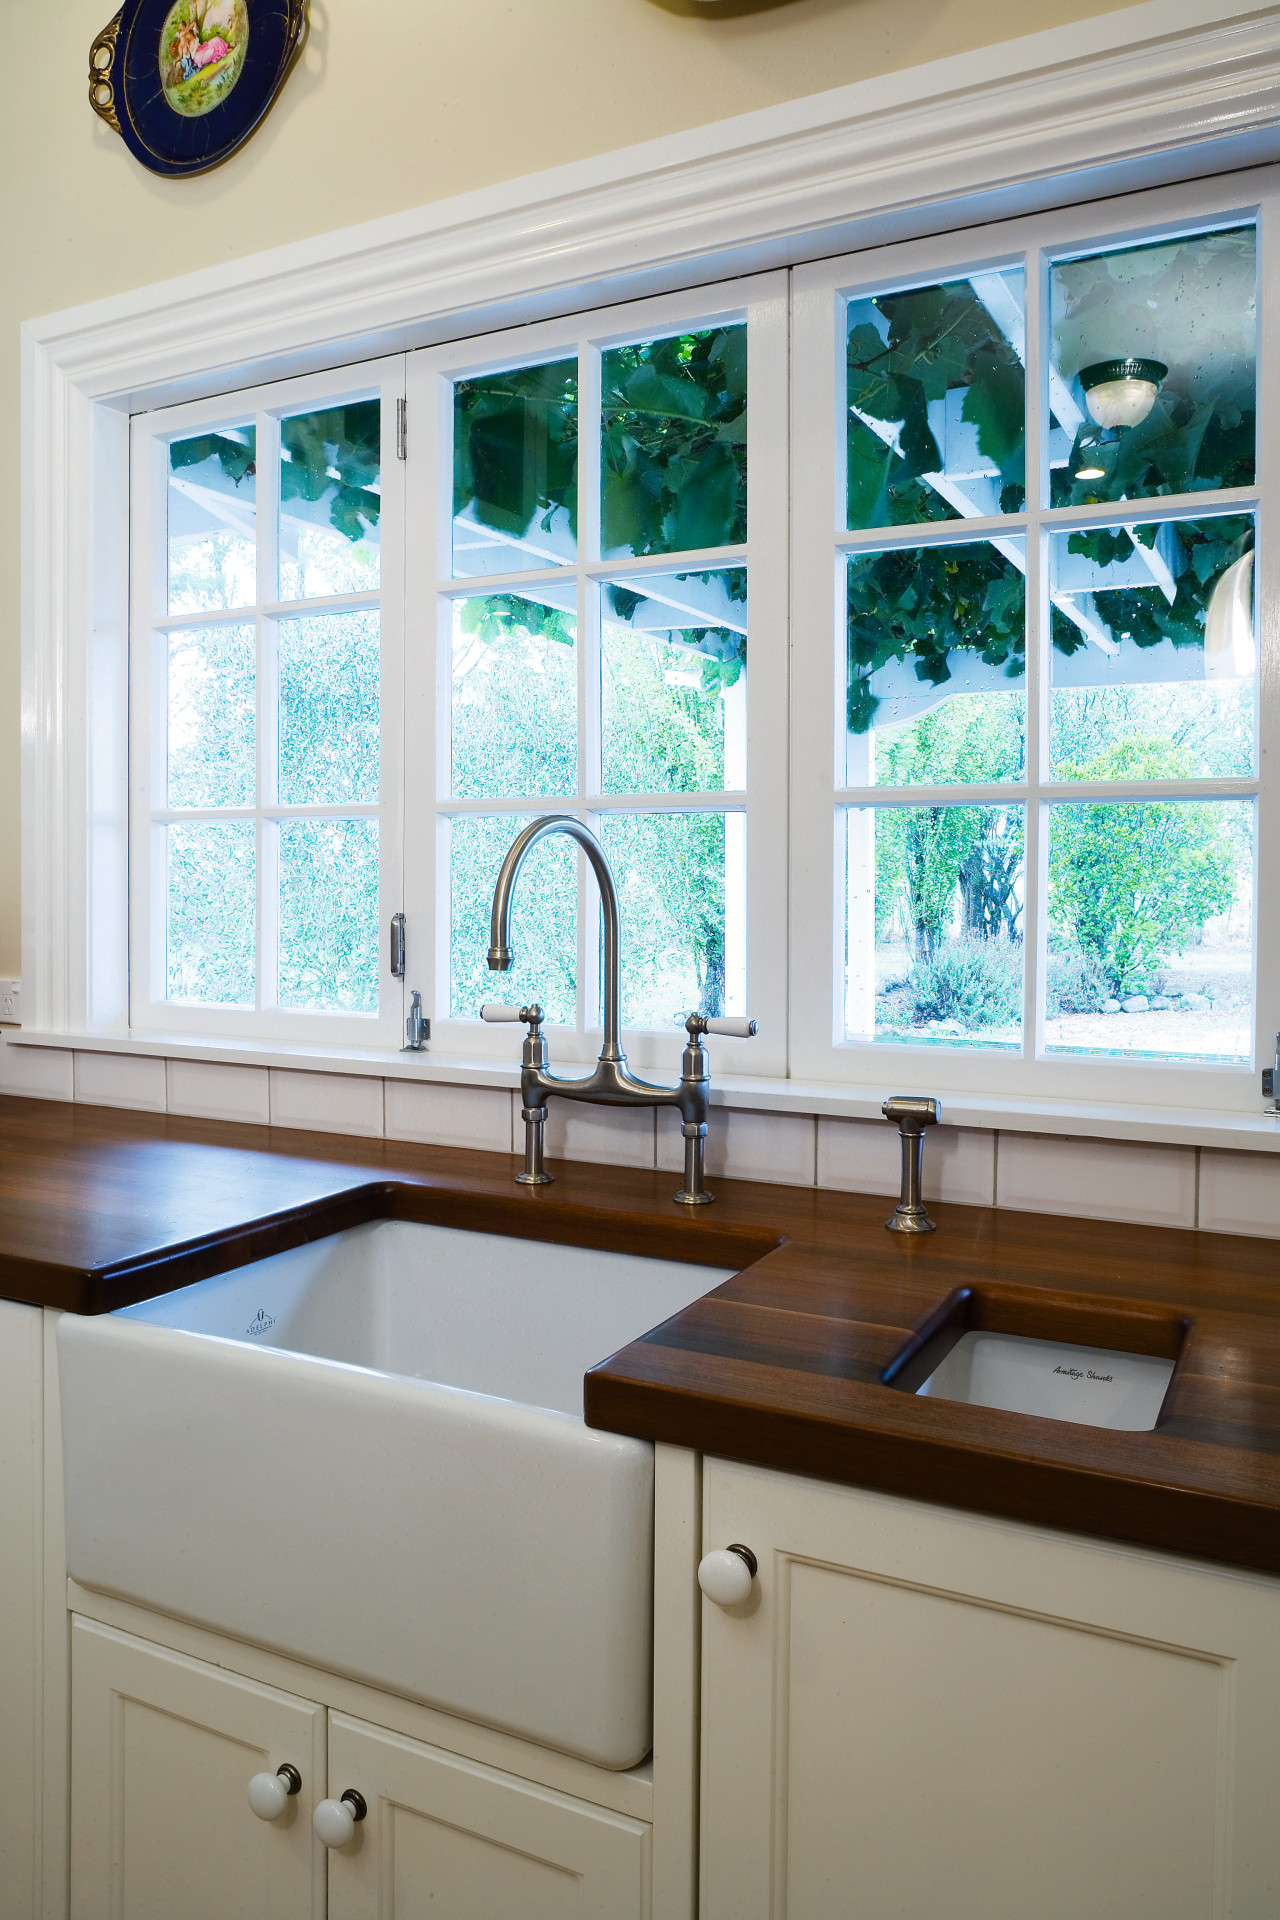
pixel 908 1220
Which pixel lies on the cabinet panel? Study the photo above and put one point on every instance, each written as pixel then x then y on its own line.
pixel 1020 1742
pixel 449 1839
pixel 21 1531
pixel 162 1751
pixel 923 1712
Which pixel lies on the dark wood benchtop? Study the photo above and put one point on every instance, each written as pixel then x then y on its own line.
pixel 782 1365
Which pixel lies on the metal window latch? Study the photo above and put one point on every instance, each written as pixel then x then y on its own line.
pixel 417 1031
pixel 397 945
pixel 1271 1081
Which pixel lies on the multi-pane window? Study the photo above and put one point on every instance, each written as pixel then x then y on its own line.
pixel 606 511
pixel 264 844
pixel 894 623
pixel 1044 801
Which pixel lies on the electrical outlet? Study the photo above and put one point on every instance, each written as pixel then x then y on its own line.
pixel 11 1002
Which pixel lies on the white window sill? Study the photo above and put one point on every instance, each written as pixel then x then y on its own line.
pixel 1184 1126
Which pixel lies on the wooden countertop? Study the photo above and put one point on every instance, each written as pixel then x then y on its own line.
pixel 782 1365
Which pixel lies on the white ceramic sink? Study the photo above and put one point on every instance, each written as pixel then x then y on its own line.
pixel 369 1453
pixel 1092 1386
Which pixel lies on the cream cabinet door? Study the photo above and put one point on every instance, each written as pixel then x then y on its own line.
pixel 162 1751
pixel 919 1713
pixel 448 1839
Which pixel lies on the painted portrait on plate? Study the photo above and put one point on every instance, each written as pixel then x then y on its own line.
pixel 202 49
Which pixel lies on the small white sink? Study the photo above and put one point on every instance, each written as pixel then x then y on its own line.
pixel 369 1453
pixel 1092 1386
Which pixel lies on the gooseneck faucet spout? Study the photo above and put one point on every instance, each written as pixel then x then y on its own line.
pixel 612 1083
pixel 500 953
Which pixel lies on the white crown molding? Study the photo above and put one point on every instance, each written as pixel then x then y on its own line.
pixel 984 135
pixel 1154 93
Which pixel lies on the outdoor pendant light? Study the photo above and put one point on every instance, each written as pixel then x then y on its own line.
pixel 1120 393
pixel 1091 451
pixel 1230 652
pixel 1090 470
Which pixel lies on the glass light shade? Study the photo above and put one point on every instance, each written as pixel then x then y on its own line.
pixel 1120 393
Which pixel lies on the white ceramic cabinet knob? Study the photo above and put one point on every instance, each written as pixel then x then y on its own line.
pixel 726 1575
pixel 269 1792
pixel 335 1820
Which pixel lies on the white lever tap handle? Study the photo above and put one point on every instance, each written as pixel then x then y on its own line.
pixel 492 1011
pixel 726 1575
pixel 735 1029
pixel 269 1792
pixel 335 1820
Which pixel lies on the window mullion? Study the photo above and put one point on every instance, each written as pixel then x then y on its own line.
pixel 589 771
pixel 1035 894
pixel 268 710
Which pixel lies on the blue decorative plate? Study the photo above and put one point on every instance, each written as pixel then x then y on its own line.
pixel 185 82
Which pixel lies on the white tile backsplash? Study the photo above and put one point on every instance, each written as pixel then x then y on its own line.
pixel 446 1116
pixel 621 1136
pixel 1240 1192
pixel 133 1080
pixel 326 1102
pixel 218 1090
pixel 747 1146
pixel 1097 1179
pixel 865 1156
pixel 43 1073
pixel 1159 1185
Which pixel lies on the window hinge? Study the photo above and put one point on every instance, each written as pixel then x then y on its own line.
pixel 397 945
pixel 402 429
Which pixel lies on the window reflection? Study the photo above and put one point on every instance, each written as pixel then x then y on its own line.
pixel 1187 308
pixel 936 664
pixel 212 521
pixel 936 397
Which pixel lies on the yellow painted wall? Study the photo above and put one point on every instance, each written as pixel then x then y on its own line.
pixel 396 103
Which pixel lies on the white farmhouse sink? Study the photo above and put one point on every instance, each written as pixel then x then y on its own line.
pixel 369 1453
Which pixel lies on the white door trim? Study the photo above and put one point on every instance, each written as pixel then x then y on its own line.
pixel 1152 94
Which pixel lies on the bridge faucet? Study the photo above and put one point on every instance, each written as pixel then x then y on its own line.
pixel 612 1083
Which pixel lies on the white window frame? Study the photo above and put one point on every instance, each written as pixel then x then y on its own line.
pixel 1169 91
pixel 150 624
pixel 431 587
pixel 819 795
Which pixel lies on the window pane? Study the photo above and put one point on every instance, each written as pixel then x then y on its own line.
pixel 211 721
pixel 936 401
pixel 330 501
pixel 1151 929
pixel 1154 659
pixel 329 709
pixel 213 538
pixel 936 664
pixel 515 695
pixel 515 469
pixel 934 936
pixel 673 457
pixel 680 880
pixel 1181 421
pixel 673 683
pixel 544 920
pixel 328 959
pixel 212 887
